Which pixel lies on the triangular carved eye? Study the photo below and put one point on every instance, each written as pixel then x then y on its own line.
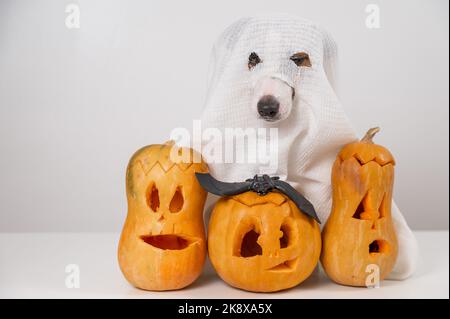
pixel 153 198
pixel 301 59
pixel 177 202
pixel 360 209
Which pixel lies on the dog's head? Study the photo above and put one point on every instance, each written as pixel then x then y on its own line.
pixel 273 97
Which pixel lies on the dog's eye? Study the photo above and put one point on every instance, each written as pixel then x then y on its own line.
pixel 253 60
pixel 301 59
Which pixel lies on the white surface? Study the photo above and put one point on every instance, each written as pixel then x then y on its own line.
pixel 75 104
pixel 33 266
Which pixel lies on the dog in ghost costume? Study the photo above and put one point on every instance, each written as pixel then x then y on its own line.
pixel 278 72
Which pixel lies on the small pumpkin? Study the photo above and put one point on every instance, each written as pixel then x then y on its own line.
pixel 360 231
pixel 262 243
pixel 163 246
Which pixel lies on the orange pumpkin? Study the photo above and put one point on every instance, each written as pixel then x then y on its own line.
pixel 360 231
pixel 262 243
pixel 162 246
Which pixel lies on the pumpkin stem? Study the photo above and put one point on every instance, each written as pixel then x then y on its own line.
pixel 170 143
pixel 368 138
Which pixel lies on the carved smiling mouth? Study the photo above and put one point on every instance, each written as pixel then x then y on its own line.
pixel 285 266
pixel 168 242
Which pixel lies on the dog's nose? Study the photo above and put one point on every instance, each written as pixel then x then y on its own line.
pixel 268 106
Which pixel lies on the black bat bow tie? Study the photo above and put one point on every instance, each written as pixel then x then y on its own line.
pixel 260 184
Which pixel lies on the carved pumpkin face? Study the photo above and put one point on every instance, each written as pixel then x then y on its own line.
pixel 262 243
pixel 359 231
pixel 162 245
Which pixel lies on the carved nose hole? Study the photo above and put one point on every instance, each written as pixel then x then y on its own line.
pixel 153 198
pixel 249 245
pixel 284 239
pixel 177 202
pixel 378 247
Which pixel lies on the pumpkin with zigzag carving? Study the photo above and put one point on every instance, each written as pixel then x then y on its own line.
pixel 163 246
pixel 359 235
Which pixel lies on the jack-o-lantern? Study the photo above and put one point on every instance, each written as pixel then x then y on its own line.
pixel 163 246
pixel 262 243
pixel 360 231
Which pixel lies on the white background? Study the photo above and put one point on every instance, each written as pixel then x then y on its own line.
pixel 76 103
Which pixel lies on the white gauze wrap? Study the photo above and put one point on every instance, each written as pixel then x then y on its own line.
pixel 317 127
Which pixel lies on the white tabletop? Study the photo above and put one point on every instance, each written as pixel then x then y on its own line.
pixel 33 265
